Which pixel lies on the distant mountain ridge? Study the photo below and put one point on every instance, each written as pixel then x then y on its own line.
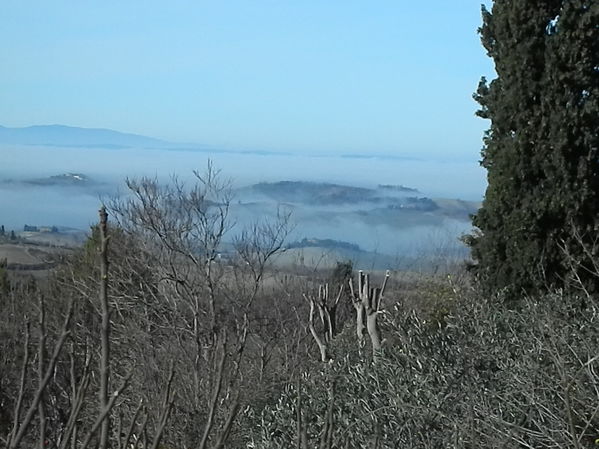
pixel 62 135
pixel 65 136
pixel 73 136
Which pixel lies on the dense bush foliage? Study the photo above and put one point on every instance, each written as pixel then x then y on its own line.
pixel 486 377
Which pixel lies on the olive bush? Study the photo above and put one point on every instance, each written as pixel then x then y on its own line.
pixel 486 375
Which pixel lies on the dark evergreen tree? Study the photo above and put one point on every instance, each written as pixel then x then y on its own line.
pixel 541 208
pixel 2 231
pixel 4 282
pixel 342 273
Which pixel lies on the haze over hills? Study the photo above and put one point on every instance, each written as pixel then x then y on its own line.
pixel 375 227
pixel 385 205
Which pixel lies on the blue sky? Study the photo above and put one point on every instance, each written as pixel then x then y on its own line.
pixel 379 77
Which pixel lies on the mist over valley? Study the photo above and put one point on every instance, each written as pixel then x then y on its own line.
pixel 392 208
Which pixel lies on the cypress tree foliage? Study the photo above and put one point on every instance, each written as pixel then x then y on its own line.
pixel 541 208
pixel 4 282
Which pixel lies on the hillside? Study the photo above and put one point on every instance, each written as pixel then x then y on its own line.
pixel 313 193
pixel 383 204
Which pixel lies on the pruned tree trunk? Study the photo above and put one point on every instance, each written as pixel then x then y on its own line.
pixel 105 329
pixel 367 302
pixel 327 311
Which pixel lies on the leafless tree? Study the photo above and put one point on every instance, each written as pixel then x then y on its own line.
pixel 204 290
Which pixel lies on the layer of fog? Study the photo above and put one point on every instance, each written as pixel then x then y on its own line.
pixel 440 178
pixel 75 207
